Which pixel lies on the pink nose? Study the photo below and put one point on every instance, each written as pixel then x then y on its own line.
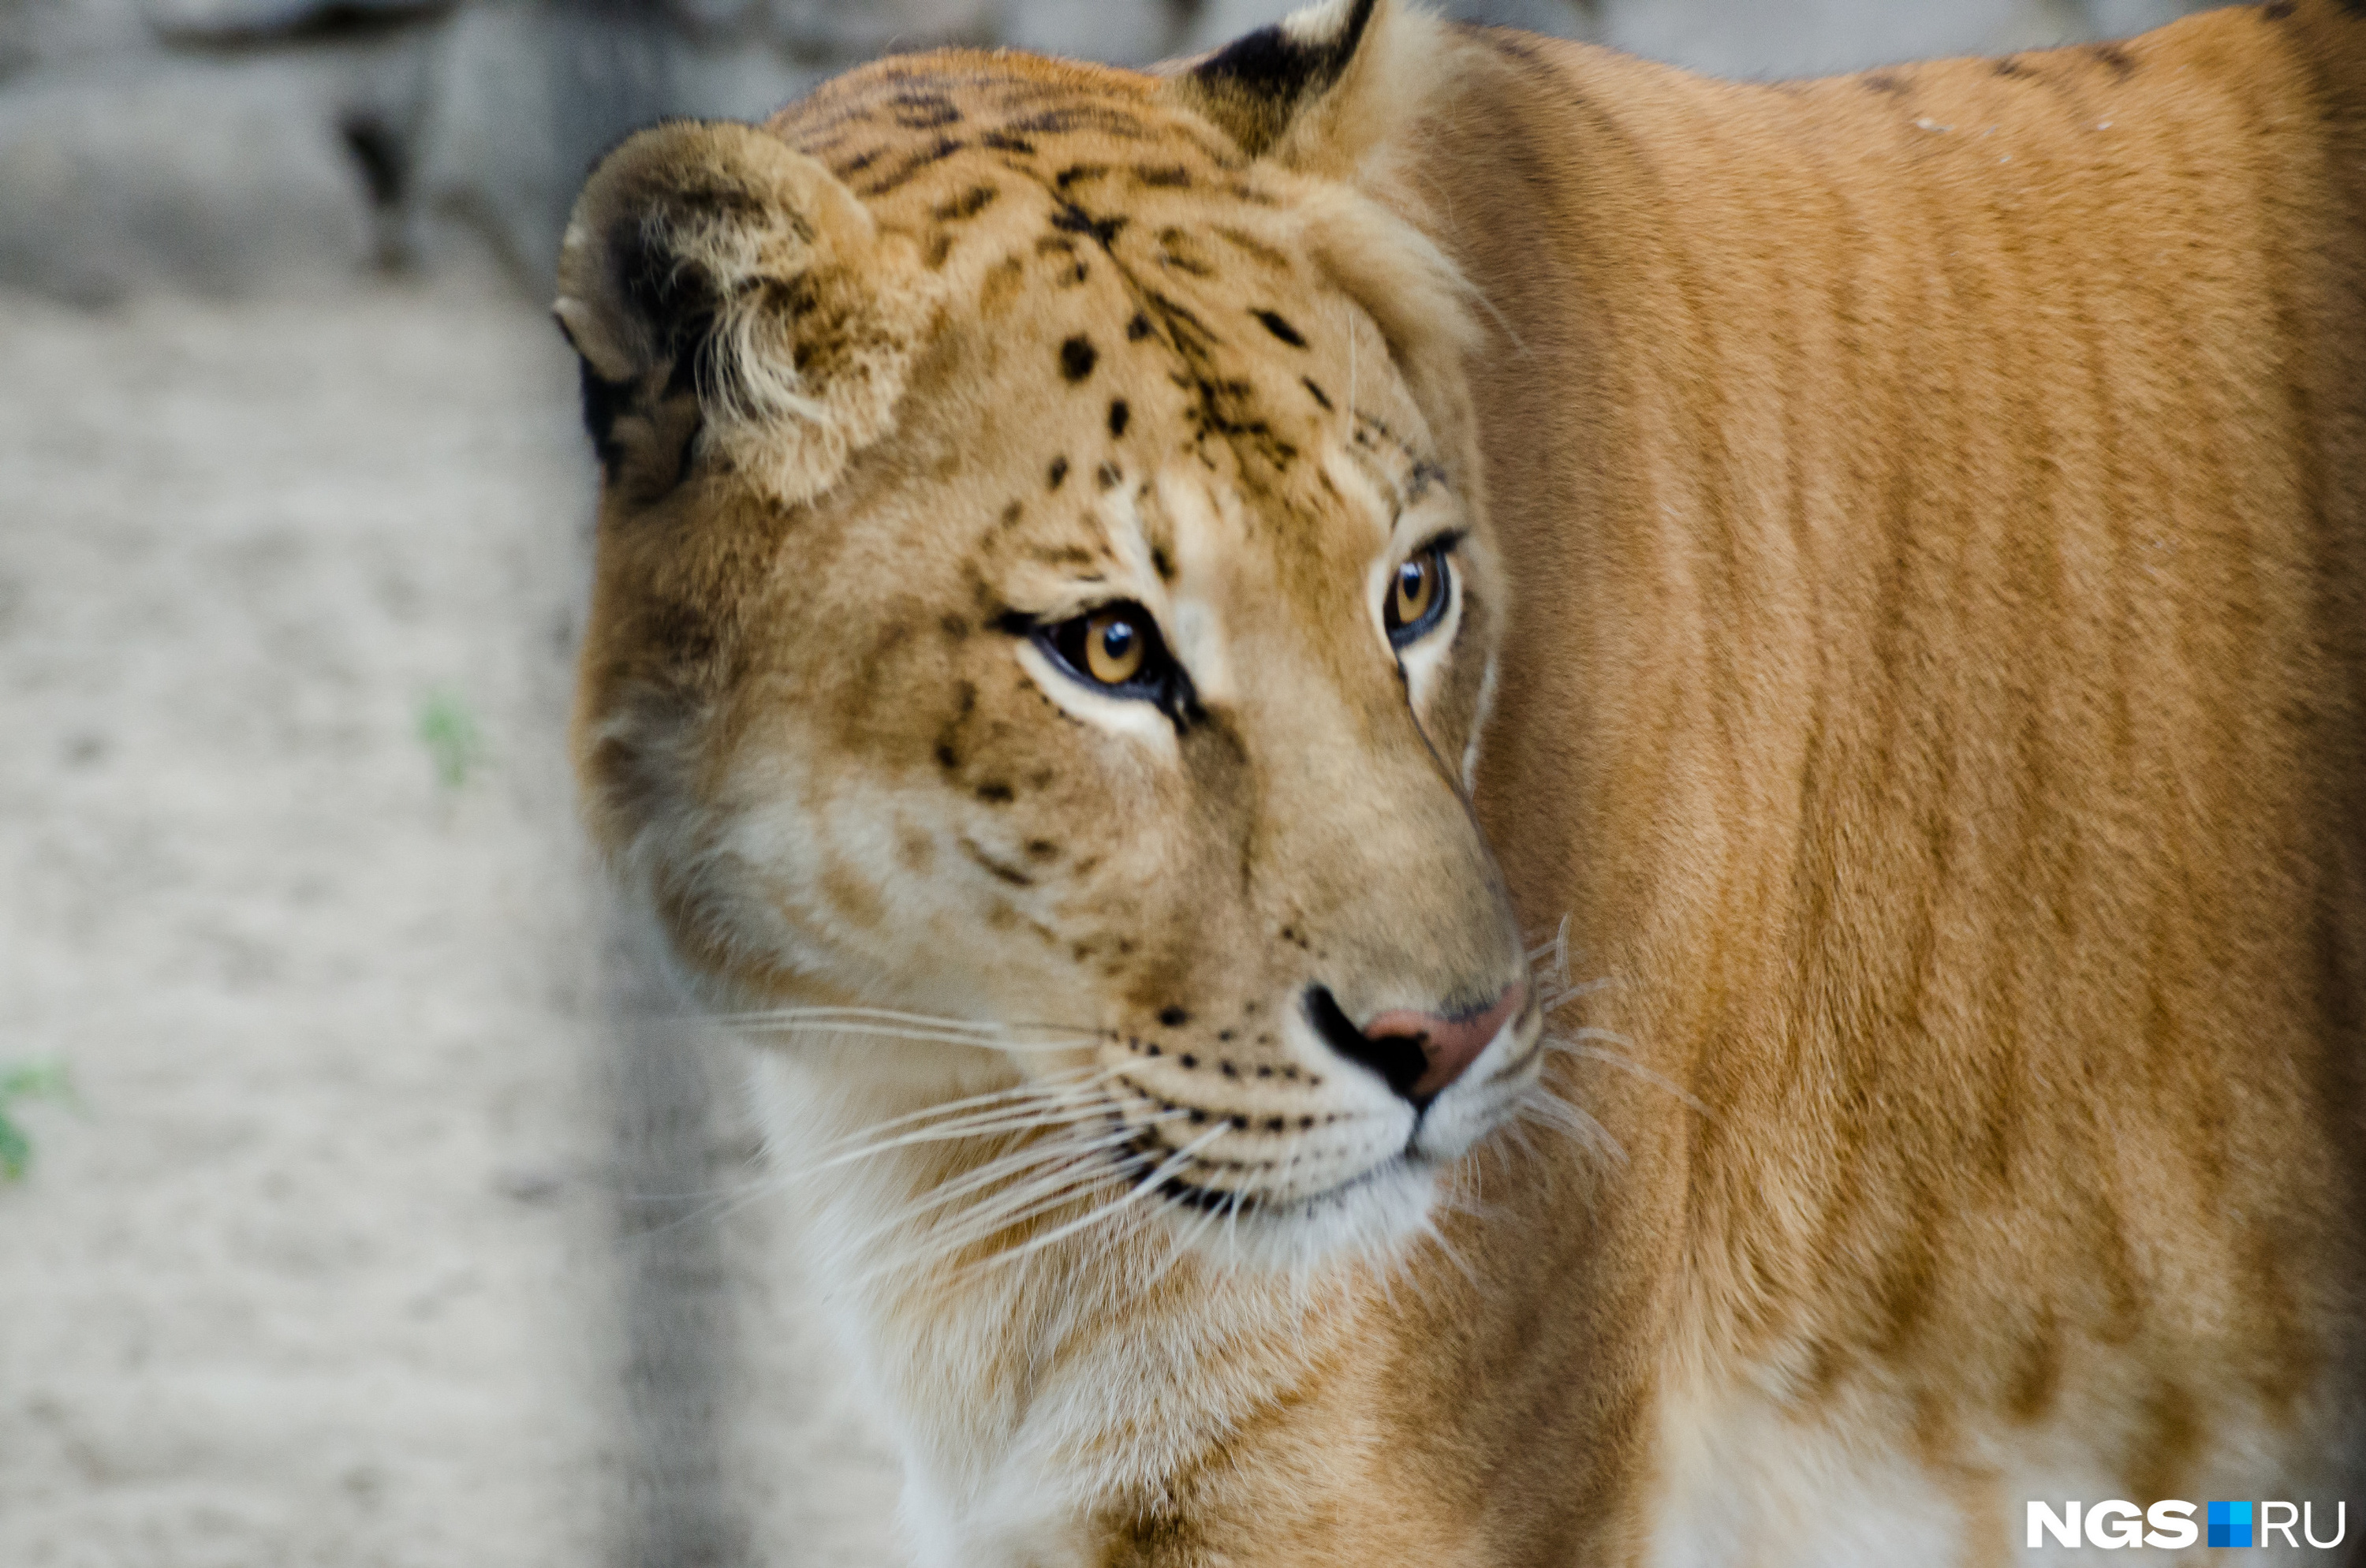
pixel 1448 1044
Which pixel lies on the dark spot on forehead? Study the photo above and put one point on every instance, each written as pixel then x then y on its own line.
pixel 1009 276
pixel 1308 382
pixel 1059 122
pixel 1189 333
pixel 1172 177
pixel 1107 475
pixel 1138 328
pixel 1059 474
pixel 1077 358
pixel 1279 328
pixel 1118 415
pixel 1003 142
pixel 1176 250
pixel 969 204
pixel 1249 245
pixel 944 147
pixel 1076 171
pixel 1001 870
pixel 1174 1018
pixel 1011 514
pixel 1074 219
pixel 1164 562
pixel 924 111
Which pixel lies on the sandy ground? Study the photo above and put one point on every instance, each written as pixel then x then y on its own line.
pixel 335 1266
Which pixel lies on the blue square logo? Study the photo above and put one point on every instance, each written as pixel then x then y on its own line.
pixel 2230 1524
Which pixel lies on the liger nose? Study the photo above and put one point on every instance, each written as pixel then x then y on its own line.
pixel 1419 1054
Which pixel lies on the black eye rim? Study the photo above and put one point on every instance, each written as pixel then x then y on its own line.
pixel 1441 548
pixel 1162 680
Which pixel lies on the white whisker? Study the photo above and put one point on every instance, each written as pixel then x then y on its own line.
pixel 1574 1045
pixel 1552 1111
pixel 917 1034
pixel 1013 1119
pixel 1147 1184
pixel 1009 1166
pixel 1060 1083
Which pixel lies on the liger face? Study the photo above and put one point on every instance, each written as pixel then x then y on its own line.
pixel 1118 699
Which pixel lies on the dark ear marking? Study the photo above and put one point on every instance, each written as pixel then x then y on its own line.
pixel 675 306
pixel 1254 87
pixel 1272 62
pixel 603 401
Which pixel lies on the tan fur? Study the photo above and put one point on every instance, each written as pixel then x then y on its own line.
pixel 1912 628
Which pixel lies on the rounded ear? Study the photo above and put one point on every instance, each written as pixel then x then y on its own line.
pixel 734 303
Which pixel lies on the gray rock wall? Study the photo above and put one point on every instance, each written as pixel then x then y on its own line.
pixel 259 147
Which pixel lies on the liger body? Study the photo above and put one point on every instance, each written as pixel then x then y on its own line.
pixel 1497 807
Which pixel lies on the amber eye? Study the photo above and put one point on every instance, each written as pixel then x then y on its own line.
pixel 1417 597
pixel 1115 648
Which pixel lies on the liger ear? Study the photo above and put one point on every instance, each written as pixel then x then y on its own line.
pixel 1330 91
pixel 1319 90
pixel 734 303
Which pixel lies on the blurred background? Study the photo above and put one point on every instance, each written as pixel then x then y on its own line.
pixel 361 1203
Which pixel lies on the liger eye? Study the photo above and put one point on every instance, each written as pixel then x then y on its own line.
pixel 1115 648
pixel 1418 596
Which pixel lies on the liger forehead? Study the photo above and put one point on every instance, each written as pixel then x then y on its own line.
pixel 1130 259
